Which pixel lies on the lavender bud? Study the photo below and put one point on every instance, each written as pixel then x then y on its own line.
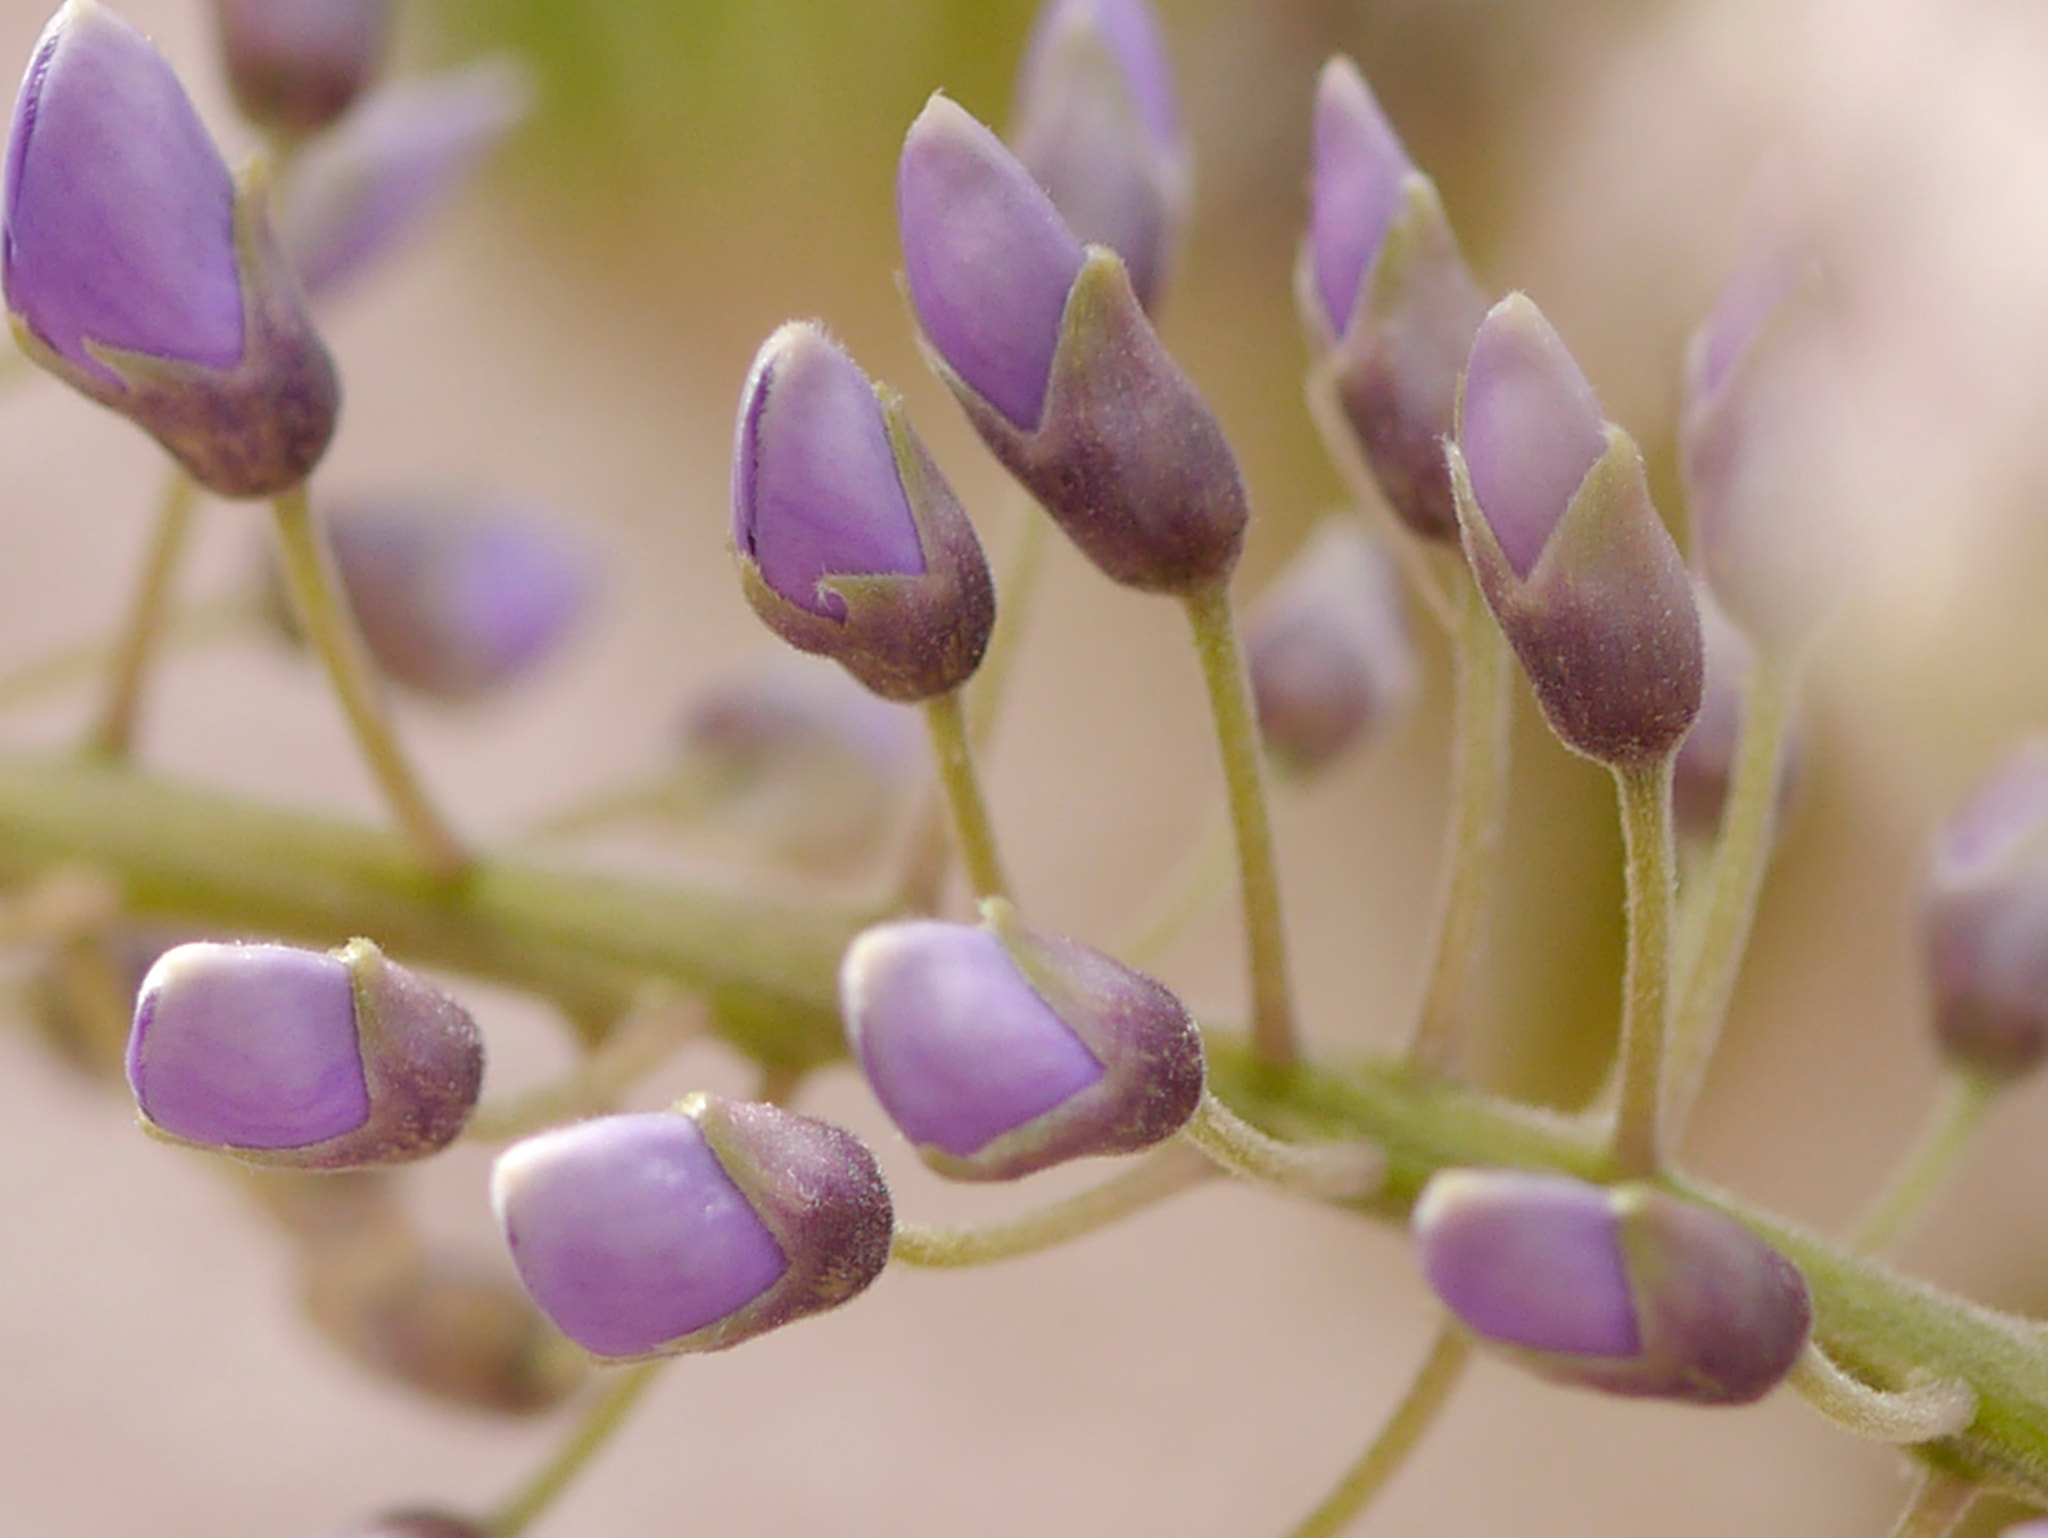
pixel 454 599
pixel 412 1523
pixel 360 190
pixel 1327 649
pixel 1388 301
pixel 1627 1290
pixel 296 65
pixel 850 543
pixel 1984 922
pixel 1000 1050
pixel 691 1229
pixel 136 273
pixel 1050 354
pixel 1706 760
pixel 1568 550
pixel 312 1059
pixel 1098 126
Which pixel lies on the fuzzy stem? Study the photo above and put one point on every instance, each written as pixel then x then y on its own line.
pixel 1337 1171
pixel 1651 860
pixel 1937 1506
pixel 1237 735
pixel 1957 1114
pixel 331 631
pixel 585 1441
pixel 1397 1439
pixel 973 834
pixel 113 733
pixel 1902 1416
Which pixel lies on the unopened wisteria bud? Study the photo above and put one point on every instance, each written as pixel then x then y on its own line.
pixel 1568 550
pixel 999 1050
pixel 412 1523
pixel 1098 126
pixel 1388 301
pixel 1049 353
pixel 1327 649
pixel 455 598
pixel 1984 922
pixel 1628 1290
pixel 850 543
pixel 137 273
pixel 692 1229
pixel 1706 760
pixel 312 1059
pixel 296 65
pixel 361 189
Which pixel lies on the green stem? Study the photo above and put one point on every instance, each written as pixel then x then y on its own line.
pixel 1480 760
pixel 1937 1506
pixel 1958 1113
pixel 1652 865
pixel 586 1440
pixel 1164 1172
pixel 331 631
pixel 1237 735
pixel 1333 1171
pixel 113 734
pixel 1922 1413
pixel 1401 1434
pixel 1716 942
pixel 973 834
pixel 220 619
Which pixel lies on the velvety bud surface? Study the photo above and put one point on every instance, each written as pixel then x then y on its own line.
pixel 1357 167
pixel 816 491
pixel 629 1233
pixel 297 65
pixel 1529 427
pixel 987 257
pixel 119 212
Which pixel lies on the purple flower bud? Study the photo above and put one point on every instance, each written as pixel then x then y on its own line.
pixel 135 273
pixel 361 190
pixel 1568 549
pixel 412 1523
pixel 1000 1050
pixel 1050 354
pixel 1327 649
pixel 296 65
pixel 1627 1290
pixel 1098 127
pixel 1984 922
pixel 691 1229
pixel 312 1059
pixel 1355 187
pixel 459 598
pixel 1706 760
pixel 850 543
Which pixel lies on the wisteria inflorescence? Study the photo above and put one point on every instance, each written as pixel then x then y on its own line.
pixel 300 986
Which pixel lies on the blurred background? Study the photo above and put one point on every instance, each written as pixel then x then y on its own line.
pixel 576 333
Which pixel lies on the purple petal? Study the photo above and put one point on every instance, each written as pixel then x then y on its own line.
pixel 1354 187
pixel 1130 31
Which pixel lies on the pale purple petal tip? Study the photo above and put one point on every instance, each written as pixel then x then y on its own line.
pixel 629 1234
pixel 958 1047
pixel 1130 31
pixel 1358 165
pixel 120 214
pixel 2003 815
pixel 1530 428
pixel 988 259
pixel 1531 1261
pixel 816 492
pixel 248 1046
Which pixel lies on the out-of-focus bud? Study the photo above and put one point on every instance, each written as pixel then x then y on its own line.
pixel 412 1523
pixel 693 1229
pixel 296 65
pixel 360 190
pixel 1097 125
pixel 81 996
pixel 455 599
pixel 1984 922
pixel 312 1059
pixel 850 543
pixel 1388 301
pixel 137 274
pixel 1050 355
pixel 1767 447
pixel 999 1050
pixel 1327 649
pixel 1705 765
pixel 1627 1290
pixel 1568 550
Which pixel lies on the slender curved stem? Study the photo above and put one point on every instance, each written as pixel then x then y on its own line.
pixel 216 620
pixel 1652 866
pixel 1196 883
pixel 973 834
pixel 113 733
pixel 331 631
pixel 1160 1174
pixel 648 1035
pixel 1958 1113
pixel 1397 1439
pixel 1922 1413
pixel 1480 761
pixel 1937 1505
pixel 586 1440
pixel 1333 1171
pixel 1237 735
